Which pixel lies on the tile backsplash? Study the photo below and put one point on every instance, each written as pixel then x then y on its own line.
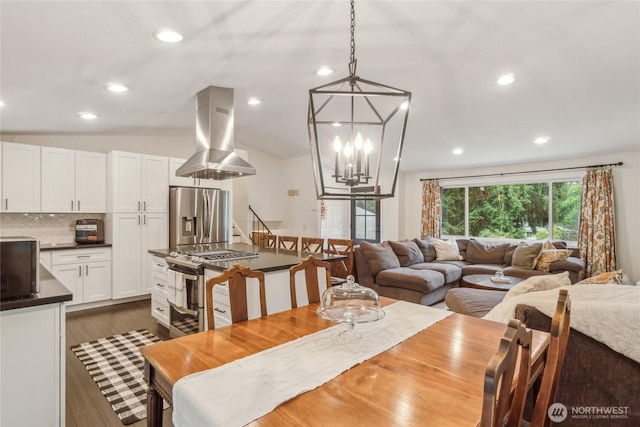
pixel 48 228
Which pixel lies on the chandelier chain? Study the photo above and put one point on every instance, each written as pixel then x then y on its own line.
pixel 352 58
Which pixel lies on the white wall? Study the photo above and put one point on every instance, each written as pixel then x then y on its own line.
pixel 626 188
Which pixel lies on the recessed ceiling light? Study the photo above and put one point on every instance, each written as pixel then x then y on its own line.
pixel 253 101
pixel 457 151
pixel 167 35
pixel 541 140
pixel 336 124
pixel 324 71
pixel 117 87
pixel 506 79
pixel 88 116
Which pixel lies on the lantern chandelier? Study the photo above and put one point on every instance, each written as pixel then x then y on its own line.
pixel 356 133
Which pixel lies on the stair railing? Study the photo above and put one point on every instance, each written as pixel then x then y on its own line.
pixel 259 228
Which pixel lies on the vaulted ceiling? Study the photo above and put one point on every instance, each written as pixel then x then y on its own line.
pixel 576 66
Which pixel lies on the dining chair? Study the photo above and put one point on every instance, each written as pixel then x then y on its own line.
pixel 310 266
pixel 288 243
pixel 268 241
pixel 236 277
pixel 312 244
pixel 343 268
pixel 499 406
pixel 559 336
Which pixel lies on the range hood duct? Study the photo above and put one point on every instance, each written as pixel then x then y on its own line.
pixel 214 157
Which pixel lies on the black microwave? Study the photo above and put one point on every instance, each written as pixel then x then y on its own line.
pixel 89 231
pixel 19 266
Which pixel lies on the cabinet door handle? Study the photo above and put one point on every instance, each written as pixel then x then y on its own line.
pixel 79 271
pixel 6 204
pixel 144 219
pixel 138 219
pixel 161 310
pixel 144 206
pixel 86 270
pixel 159 285
pixel 220 311
pixel 138 206
pixel 83 256
pixel 78 205
pixel 72 205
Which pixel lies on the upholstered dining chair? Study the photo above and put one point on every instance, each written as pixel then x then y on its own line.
pixel 288 243
pixel 312 244
pixel 340 269
pixel 559 336
pixel 311 266
pixel 236 277
pixel 499 406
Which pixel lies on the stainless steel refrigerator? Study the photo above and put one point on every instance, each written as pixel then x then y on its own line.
pixel 198 216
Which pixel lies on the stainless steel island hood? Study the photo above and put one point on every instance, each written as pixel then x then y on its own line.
pixel 214 157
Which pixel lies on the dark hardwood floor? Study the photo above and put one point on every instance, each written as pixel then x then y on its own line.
pixel 85 405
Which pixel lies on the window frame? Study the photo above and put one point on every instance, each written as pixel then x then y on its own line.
pixel 353 217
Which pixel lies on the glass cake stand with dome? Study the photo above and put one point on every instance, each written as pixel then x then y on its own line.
pixel 350 303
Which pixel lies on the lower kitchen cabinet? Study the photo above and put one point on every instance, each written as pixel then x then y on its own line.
pixel 32 366
pixel 159 294
pixel 85 272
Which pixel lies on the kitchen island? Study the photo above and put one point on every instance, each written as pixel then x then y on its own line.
pixel 274 263
pixel 32 363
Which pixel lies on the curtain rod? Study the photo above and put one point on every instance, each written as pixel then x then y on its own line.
pixel 518 173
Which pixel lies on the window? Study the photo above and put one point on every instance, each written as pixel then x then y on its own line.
pixel 365 221
pixel 515 211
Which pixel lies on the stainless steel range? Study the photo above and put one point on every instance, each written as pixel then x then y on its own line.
pixel 186 315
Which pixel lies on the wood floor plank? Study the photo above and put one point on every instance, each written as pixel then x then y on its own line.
pixel 85 404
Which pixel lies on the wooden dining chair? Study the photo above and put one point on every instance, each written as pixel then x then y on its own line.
pixel 268 241
pixel 312 244
pixel 288 243
pixel 310 265
pixel 236 277
pixel 499 406
pixel 559 336
pixel 343 268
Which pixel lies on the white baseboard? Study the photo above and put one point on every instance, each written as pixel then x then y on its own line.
pixel 105 303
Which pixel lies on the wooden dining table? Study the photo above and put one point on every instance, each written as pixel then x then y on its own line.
pixel 434 378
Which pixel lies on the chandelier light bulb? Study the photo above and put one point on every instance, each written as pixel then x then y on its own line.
pixel 348 150
pixel 368 146
pixel 337 144
pixel 358 142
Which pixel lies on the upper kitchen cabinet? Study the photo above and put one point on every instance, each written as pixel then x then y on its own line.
pixel 181 181
pixel 137 183
pixel 73 181
pixel 20 177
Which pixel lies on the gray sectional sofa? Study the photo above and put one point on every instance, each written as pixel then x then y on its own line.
pixel 409 270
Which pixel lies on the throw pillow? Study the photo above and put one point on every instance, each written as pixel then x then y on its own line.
pixel 547 256
pixel 526 255
pixel 486 253
pixel 380 256
pixel 539 283
pixel 447 250
pixel 610 277
pixel 427 248
pixel 407 252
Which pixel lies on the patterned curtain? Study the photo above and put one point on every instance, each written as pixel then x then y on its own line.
pixel 596 241
pixel 431 208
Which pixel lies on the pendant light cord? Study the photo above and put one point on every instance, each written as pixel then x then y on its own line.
pixel 352 59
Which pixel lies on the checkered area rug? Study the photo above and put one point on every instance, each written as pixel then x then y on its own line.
pixel 117 367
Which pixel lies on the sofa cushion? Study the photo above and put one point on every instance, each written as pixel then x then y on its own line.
pixel 614 277
pixel 485 253
pixel 462 246
pixel 473 302
pixel 508 254
pixel 427 248
pixel 380 256
pixel 526 255
pixel 539 283
pixel 450 271
pixel 481 269
pixel 407 252
pixel 547 256
pixel 416 280
pixel 447 250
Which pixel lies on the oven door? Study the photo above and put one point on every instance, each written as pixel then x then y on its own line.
pixel 189 319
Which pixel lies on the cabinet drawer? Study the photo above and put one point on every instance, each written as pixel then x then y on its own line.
pixel 159 283
pixel 221 290
pixel 160 307
pixel 75 256
pixel 159 266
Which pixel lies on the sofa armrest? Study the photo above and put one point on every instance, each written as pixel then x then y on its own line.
pixel 568 264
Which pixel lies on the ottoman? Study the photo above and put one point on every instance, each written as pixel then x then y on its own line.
pixel 473 302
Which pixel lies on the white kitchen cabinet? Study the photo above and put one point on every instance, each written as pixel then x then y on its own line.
pixel 159 294
pixel 32 389
pixel 137 183
pixel 73 181
pixel 20 177
pixel 45 259
pixel 133 234
pixel 181 181
pixel 85 272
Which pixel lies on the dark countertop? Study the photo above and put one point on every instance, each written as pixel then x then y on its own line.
pixel 71 245
pixel 51 291
pixel 267 260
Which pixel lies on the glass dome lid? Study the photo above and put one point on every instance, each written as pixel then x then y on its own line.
pixel 350 303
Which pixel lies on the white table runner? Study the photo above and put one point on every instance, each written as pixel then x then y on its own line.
pixel 246 389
